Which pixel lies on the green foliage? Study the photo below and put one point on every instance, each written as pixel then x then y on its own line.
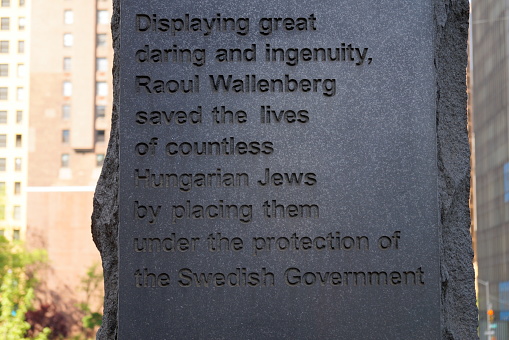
pixel 17 282
pixel 91 285
pixel 92 320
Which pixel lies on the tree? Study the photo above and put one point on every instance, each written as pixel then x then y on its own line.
pixel 17 282
pixel 91 285
pixel 47 315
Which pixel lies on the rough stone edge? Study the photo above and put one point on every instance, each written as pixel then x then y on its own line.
pixel 105 218
pixel 458 299
pixel 459 311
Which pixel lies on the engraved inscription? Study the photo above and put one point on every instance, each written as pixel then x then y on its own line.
pixel 191 24
pixel 293 277
pixel 185 182
pixel 215 211
pixel 251 83
pixel 276 170
pixel 224 147
pixel 330 242
pixel 273 209
pixel 169 117
pixel 296 277
pixel 278 179
pixel 167 244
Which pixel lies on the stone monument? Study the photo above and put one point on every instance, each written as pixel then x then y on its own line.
pixel 287 171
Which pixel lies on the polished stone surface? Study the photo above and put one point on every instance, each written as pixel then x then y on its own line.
pixel 320 223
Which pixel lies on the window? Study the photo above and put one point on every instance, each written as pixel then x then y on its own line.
pixel 17 164
pixel 101 64
pixel 64 160
pixel 16 235
pixel 101 40
pixel 100 136
pixel 67 64
pixel 21 3
pixel 66 111
pixel 2 188
pixel 99 159
pixel 3 164
pixel 3 93
pixel 16 213
pixel 4 24
pixel 21 23
pixel 21 46
pixel 17 188
pixel 21 70
pixel 65 136
pixel 4 70
pixel 68 40
pixel 68 17
pixel 19 141
pixel 20 93
pixel 100 111
pixel 6 3
pixel 19 117
pixel 67 88
pixel 3 141
pixel 103 17
pixel 4 46
pixel 3 117
pixel 101 88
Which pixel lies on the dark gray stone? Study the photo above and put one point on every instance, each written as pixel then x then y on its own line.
pixel 459 312
pixel 372 147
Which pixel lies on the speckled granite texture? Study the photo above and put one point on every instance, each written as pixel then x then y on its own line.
pixel 458 309
pixel 459 312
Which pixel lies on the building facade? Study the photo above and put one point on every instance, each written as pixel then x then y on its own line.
pixel 69 115
pixel 490 112
pixel 14 99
